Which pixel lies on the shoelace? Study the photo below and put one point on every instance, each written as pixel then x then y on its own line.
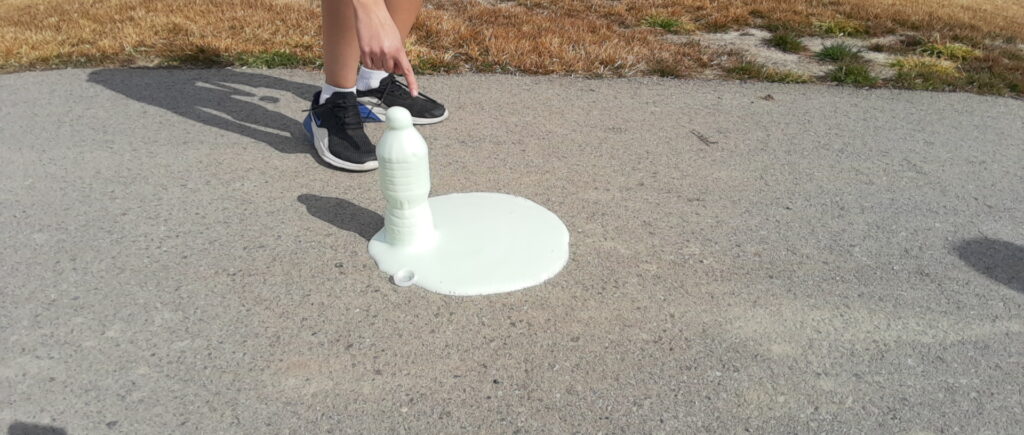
pixel 339 110
pixel 403 88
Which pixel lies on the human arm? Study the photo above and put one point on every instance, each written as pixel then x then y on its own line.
pixel 380 43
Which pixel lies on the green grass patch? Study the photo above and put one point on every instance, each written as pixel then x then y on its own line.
pixel 205 57
pixel 997 71
pixel 273 59
pixel 926 73
pixel 787 42
pixel 436 64
pixel 668 24
pixel 839 52
pixel 853 73
pixel 749 70
pixel 953 52
pixel 840 27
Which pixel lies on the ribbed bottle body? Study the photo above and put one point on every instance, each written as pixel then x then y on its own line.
pixel 405 183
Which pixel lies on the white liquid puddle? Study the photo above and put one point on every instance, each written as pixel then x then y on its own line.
pixel 460 244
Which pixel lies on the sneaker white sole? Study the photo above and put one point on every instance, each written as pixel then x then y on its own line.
pixel 380 111
pixel 320 138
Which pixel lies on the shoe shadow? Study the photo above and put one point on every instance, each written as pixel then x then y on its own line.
pixel 343 214
pixel 22 428
pixel 999 260
pixel 221 98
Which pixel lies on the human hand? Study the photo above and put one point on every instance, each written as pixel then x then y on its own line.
pixel 380 43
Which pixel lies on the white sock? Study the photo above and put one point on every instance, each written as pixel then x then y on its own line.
pixel 369 78
pixel 328 90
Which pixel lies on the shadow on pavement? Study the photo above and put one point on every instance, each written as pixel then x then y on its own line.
pixel 343 214
pixel 19 428
pixel 217 98
pixel 997 259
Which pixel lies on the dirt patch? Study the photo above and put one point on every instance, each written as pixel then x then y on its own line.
pixel 752 44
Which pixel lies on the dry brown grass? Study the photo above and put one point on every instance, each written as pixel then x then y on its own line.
pixel 44 33
pixel 516 38
pixel 590 37
pixel 977 19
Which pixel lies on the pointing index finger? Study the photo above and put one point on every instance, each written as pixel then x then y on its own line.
pixel 410 76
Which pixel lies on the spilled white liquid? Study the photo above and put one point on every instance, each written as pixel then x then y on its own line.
pixel 460 244
pixel 485 243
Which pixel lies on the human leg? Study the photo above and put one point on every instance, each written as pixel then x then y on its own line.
pixel 340 43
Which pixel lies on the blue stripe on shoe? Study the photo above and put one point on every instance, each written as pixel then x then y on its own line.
pixel 368 114
pixel 307 124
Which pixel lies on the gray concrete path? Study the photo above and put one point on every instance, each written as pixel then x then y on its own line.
pixel 174 260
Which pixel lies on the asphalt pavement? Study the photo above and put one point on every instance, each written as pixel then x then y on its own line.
pixel 745 257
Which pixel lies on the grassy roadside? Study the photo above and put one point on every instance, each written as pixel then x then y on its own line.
pixel 603 38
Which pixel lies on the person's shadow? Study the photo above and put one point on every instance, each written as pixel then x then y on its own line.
pixel 221 98
pixel 999 260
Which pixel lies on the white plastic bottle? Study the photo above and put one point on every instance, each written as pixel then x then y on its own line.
pixel 405 183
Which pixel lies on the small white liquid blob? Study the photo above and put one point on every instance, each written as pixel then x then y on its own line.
pixel 404 278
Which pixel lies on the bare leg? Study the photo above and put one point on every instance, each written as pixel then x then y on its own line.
pixel 404 13
pixel 341 45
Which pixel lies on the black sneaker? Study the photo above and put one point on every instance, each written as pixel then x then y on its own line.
pixel 392 92
pixel 337 132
